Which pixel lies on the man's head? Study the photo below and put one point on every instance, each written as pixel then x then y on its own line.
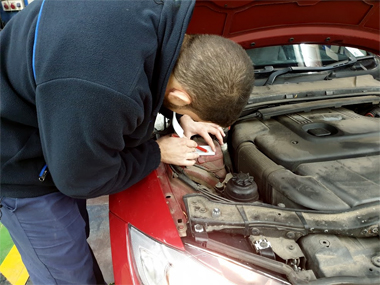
pixel 212 79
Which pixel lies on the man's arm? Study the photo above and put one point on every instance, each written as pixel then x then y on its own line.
pixel 83 127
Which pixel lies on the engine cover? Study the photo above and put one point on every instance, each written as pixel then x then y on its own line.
pixel 323 160
pixel 330 255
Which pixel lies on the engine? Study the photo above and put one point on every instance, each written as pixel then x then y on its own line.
pixel 301 189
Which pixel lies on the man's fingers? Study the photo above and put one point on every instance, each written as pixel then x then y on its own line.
pixel 219 137
pixel 191 159
pixel 192 156
pixel 215 130
pixel 209 141
pixel 191 144
pixel 188 163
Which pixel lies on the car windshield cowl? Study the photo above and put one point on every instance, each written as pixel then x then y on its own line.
pixel 310 62
pixel 338 91
pixel 348 62
pixel 340 64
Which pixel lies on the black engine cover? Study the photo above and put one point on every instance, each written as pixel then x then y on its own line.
pixel 326 159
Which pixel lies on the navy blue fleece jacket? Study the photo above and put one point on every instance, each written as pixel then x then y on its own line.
pixel 81 85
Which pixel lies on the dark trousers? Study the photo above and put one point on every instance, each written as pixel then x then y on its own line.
pixel 50 232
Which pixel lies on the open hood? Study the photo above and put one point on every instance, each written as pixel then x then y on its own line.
pixel 260 23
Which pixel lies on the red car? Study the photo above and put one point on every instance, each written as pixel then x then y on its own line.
pixel 292 197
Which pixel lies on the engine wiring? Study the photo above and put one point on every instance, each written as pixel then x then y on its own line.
pixel 198 187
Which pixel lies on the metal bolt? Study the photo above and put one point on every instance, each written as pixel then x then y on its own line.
pixel 281 205
pixel 291 39
pixel 294 142
pixel 263 244
pixel 375 230
pixel 291 247
pixel 327 39
pixel 376 260
pixel 253 44
pixel 255 231
pixel 198 228
pixel 215 212
pixel 290 235
pixel 219 186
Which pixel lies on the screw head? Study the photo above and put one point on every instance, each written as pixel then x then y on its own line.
pixel 198 228
pixel 255 231
pixel 376 260
pixel 291 235
pixel 216 212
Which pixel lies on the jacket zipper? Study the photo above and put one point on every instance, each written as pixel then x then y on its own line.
pixel 44 172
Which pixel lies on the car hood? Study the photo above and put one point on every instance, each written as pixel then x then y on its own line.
pixel 265 23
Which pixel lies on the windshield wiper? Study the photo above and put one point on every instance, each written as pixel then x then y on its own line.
pixel 350 61
pixel 266 69
pixel 267 113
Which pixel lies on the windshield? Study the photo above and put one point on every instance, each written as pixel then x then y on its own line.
pixel 302 55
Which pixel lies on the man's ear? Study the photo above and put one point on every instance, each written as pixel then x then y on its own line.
pixel 179 97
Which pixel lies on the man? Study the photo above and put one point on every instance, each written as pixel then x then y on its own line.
pixel 81 85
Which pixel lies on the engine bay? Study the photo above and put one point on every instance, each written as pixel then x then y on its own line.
pixel 297 192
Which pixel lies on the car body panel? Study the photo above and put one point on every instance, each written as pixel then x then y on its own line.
pixel 267 23
pixel 145 206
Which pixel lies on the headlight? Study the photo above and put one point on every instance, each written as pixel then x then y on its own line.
pixel 159 264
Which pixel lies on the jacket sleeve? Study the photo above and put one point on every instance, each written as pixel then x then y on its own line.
pixel 83 127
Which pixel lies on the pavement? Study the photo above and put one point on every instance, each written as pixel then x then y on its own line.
pixel 99 239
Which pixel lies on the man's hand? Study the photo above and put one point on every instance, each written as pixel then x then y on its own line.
pixel 177 151
pixel 203 129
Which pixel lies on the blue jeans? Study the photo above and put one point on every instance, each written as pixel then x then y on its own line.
pixel 50 233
